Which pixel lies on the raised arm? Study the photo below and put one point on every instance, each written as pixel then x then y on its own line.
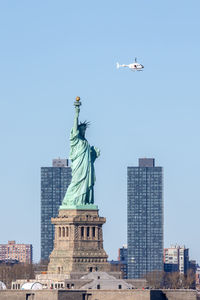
pixel 77 110
pixel 77 105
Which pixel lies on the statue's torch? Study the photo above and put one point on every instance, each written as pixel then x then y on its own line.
pixel 77 103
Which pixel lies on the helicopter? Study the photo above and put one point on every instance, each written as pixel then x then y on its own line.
pixel 133 67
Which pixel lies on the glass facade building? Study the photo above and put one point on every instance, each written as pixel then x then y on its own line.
pixel 145 218
pixel 54 183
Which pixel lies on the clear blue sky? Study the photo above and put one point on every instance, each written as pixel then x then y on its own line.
pixel 52 51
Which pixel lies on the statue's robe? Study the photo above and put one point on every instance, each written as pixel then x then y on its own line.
pixel 80 191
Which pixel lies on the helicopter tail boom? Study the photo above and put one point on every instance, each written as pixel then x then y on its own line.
pixel 120 66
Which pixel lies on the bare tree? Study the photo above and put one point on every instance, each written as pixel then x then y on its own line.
pixel 156 279
pixel 9 273
pixel 189 279
pixel 174 280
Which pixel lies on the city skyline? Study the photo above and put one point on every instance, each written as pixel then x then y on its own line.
pixel 52 53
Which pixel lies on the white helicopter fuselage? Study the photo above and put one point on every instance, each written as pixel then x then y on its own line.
pixel 134 66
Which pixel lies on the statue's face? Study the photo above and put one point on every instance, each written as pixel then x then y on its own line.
pixel 82 130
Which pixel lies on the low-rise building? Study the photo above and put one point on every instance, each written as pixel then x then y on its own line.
pixel 16 252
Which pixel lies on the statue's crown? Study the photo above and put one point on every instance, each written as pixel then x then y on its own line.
pixel 85 124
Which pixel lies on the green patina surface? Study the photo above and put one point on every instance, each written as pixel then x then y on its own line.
pixel 81 207
pixel 80 193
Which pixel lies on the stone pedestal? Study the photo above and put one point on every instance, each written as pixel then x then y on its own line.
pixel 78 243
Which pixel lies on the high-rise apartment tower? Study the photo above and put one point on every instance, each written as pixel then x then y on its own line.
pixel 145 218
pixel 54 183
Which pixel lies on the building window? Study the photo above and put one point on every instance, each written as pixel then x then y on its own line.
pixel 59 232
pixel 82 231
pixel 98 286
pixel 67 231
pixel 88 231
pixel 63 232
pixel 119 286
pixel 93 231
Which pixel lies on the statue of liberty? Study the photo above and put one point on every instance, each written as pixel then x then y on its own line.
pixel 80 193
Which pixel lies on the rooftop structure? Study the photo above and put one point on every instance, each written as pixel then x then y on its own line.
pixel 104 281
pixel 2 286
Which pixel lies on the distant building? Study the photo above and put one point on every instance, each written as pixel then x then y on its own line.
pixel 192 265
pixel 54 183
pixel 145 218
pixel 177 255
pixel 123 254
pixel 192 271
pixel 197 276
pixel 169 268
pixel 16 252
pixel 118 266
pixel 123 260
